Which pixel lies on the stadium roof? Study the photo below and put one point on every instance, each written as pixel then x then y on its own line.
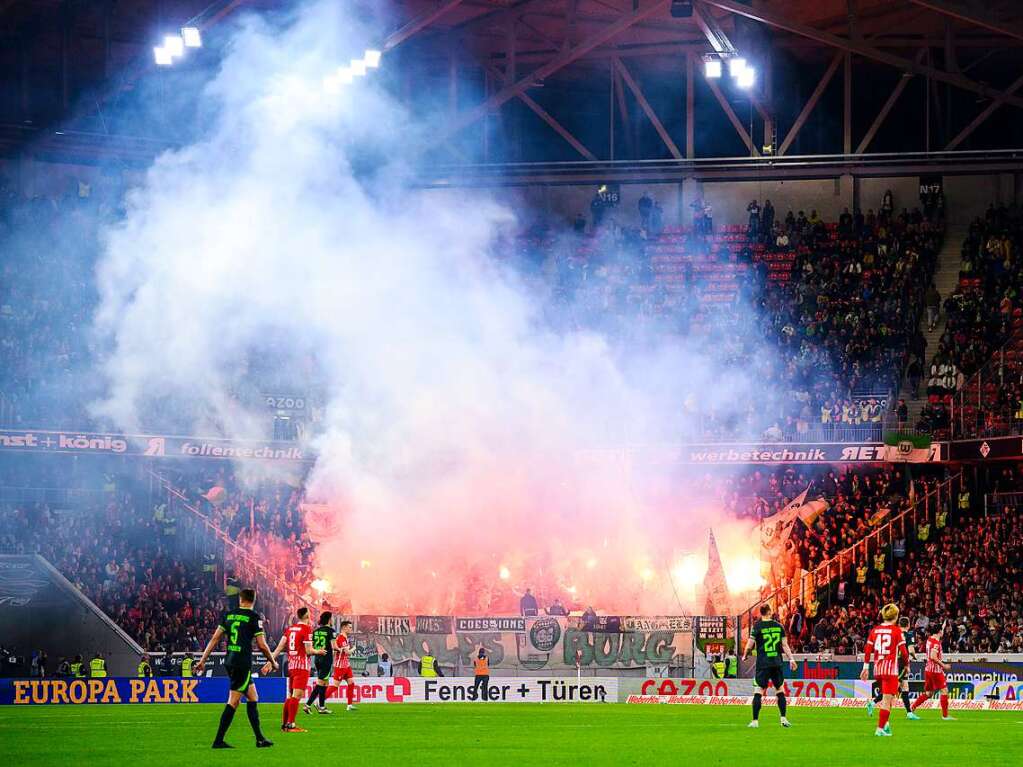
pixel 69 58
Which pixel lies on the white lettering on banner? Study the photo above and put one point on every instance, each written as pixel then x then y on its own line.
pixel 500 690
pixel 674 623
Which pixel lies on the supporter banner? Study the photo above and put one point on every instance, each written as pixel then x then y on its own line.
pixel 433 624
pixel 147 445
pixel 713 627
pixel 543 643
pixel 991 449
pixel 601 623
pixel 804 452
pixel 908 448
pixel 387 625
pixel 500 625
pixel 32 692
pixel 500 690
pixel 671 623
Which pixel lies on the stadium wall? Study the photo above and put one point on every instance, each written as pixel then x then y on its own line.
pixel 41 610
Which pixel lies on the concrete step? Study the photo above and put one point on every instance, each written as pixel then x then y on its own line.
pixel 946 278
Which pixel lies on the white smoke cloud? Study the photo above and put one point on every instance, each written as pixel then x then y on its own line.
pixel 457 423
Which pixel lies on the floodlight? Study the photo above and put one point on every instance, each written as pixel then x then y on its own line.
pixel 358 67
pixel 162 56
pixel 735 66
pixel 174 45
pixel 372 58
pixel 191 37
pixel 747 77
pixel 712 68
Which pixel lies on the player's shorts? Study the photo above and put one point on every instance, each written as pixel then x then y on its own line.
pixel 772 676
pixel 934 681
pixel 298 679
pixel 888 684
pixel 341 674
pixel 322 665
pixel 240 676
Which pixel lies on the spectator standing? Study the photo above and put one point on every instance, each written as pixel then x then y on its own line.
pixel 754 219
pixel 933 302
pixel 557 608
pixel 528 606
pixel 767 218
pixel 902 413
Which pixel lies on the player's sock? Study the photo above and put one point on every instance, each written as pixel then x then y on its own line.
pixel 906 702
pixel 350 693
pixel 921 699
pixel 757 701
pixel 291 710
pixel 252 709
pixel 313 695
pixel 225 721
pixel 323 696
pixel 944 704
pixel 286 711
pixel 782 705
pixel 882 718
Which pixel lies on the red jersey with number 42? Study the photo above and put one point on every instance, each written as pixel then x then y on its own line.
pixel 298 635
pixel 884 646
pixel 934 657
pixel 341 661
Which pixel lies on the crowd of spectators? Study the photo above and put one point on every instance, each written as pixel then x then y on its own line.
pixel 982 314
pixel 858 501
pixel 153 565
pixel 967 571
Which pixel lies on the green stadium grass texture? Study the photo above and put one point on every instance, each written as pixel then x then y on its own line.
pixel 520 734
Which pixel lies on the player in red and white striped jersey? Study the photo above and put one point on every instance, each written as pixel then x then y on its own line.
pixel 885 646
pixel 342 663
pixel 298 640
pixel 934 674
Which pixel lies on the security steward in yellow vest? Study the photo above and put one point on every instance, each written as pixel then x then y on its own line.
pixel 428 666
pixel 731 666
pixel 78 668
pixel 861 574
pixel 145 669
pixel 481 676
pixel 186 666
pixel 964 500
pixel 97 667
pixel 923 532
pixel 719 668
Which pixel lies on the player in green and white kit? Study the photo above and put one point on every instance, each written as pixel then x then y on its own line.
pixel 768 636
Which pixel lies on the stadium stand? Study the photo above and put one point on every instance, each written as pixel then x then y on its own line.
pixel 969 574
pixel 151 559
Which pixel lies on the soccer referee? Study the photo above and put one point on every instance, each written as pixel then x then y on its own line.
pixel 241 626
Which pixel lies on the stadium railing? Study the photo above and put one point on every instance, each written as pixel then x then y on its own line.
pixel 995 501
pixel 807 584
pixel 240 556
pixel 978 396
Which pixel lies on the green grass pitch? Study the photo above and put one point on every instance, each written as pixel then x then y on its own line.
pixel 520 734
